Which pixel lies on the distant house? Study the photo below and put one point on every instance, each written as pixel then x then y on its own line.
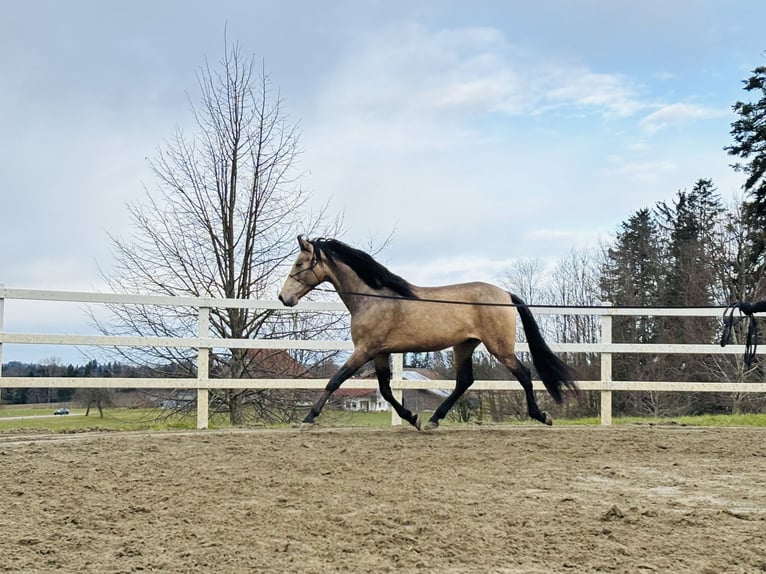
pixel 417 400
pixel 177 398
pixel 370 400
pixel 361 400
pixel 278 364
pixel 274 364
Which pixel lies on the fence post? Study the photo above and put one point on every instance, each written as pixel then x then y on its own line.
pixel 397 369
pixel 203 368
pixel 606 368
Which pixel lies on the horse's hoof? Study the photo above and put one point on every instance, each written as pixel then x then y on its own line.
pixel 417 422
pixel 309 426
pixel 429 426
pixel 548 419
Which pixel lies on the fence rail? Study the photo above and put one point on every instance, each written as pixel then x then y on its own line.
pixel 203 343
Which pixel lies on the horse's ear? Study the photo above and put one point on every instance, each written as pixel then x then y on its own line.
pixel 304 243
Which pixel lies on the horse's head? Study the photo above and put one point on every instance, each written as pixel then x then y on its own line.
pixel 307 272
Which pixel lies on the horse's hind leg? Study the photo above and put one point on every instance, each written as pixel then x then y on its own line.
pixel 524 376
pixel 464 364
pixel 383 372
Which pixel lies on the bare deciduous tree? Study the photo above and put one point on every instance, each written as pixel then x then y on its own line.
pixel 524 277
pixel 575 282
pixel 221 222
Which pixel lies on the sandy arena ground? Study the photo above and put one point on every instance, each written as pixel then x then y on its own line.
pixel 527 500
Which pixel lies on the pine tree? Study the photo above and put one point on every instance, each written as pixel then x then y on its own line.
pixel 632 271
pixel 749 133
pixel 691 226
pixel 632 276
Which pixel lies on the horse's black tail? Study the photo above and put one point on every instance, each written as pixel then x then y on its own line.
pixel 554 373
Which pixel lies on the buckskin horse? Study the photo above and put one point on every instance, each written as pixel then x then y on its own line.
pixel 390 315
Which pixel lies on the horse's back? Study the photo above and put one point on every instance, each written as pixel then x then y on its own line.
pixel 439 317
pixel 473 292
pixel 481 305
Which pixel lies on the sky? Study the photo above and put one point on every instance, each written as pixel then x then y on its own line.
pixel 477 132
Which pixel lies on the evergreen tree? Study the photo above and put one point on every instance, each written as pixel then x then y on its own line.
pixel 749 133
pixel 631 276
pixel 692 242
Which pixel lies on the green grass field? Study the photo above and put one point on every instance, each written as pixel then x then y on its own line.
pixel 15 418
pixel 114 419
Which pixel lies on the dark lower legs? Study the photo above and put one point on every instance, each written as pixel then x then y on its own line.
pixel 524 375
pixel 383 372
pixel 355 361
pixel 505 355
pixel 464 380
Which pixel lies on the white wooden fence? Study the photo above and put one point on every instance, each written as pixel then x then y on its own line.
pixel 203 343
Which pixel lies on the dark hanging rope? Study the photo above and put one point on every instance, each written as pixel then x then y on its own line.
pixel 487 304
pixel 730 321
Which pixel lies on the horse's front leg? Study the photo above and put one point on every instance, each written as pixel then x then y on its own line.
pixel 351 366
pixel 383 372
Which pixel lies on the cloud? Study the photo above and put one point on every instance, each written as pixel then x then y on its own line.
pixel 427 132
pixel 83 173
pixel 641 172
pixel 413 70
pixel 677 114
pixel 454 269
pixel 579 88
pixel 421 124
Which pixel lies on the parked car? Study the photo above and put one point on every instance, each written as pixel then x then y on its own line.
pixel 61 411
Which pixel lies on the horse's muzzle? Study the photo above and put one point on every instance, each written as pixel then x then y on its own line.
pixel 288 302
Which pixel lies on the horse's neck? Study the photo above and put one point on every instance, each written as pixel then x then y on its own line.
pixel 349 287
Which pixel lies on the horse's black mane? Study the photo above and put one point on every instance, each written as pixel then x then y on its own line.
pixel 370 271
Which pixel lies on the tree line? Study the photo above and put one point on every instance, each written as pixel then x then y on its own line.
pixel 53 368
